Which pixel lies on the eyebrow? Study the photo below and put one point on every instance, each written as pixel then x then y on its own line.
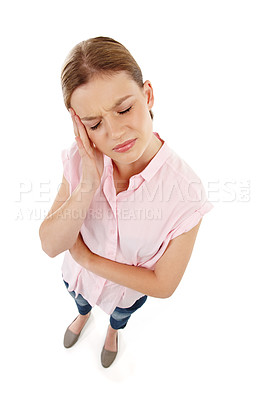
pixel 118 102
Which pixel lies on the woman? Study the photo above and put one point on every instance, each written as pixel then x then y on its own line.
pixel 129 208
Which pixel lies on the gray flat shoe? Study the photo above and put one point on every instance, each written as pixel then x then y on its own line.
pixel 107 356
pixel 70 338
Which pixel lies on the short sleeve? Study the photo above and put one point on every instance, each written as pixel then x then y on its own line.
pixel 191 210
pixel 71 165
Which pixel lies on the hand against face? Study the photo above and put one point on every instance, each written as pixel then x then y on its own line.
pixel 90 172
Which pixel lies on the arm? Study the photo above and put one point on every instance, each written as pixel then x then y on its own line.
pixel 161 282
pixel 60 228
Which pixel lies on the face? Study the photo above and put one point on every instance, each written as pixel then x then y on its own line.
pixel 111 120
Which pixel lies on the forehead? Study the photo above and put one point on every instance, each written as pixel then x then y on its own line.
pixel 102 92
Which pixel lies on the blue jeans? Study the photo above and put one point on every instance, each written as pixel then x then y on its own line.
pixel 120 316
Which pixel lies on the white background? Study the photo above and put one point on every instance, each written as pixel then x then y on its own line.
pixel 206 62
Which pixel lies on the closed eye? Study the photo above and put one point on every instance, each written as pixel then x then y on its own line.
pixel 95 127
pixel 128 109
pixel 121 113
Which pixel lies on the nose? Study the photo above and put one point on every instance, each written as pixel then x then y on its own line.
pixel 114 128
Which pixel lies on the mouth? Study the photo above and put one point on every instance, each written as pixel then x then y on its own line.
pixel 125 146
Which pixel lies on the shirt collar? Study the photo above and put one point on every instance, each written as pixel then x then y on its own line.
pixel 150 170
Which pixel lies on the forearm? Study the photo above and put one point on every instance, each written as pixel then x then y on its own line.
pixel 59 230
pixel 140 279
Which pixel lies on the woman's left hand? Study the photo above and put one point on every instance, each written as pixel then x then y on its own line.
pixel 80 252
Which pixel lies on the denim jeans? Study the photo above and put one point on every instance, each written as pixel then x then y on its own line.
pixel 120 316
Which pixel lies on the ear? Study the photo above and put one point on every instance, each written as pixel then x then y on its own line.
pixel 148 93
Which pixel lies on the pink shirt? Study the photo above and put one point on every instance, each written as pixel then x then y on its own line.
pixel 134 227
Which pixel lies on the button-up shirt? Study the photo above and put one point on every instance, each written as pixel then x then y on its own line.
pixel 135 226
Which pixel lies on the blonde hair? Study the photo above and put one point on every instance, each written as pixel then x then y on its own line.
pixel 95 57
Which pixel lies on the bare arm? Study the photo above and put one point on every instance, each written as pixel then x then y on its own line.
pixel 59 230
pixel 161 282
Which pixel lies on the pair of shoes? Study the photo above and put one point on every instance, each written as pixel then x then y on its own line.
pixel 107 356
pixel 70 338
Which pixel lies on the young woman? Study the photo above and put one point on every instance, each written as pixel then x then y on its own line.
pixel 129 208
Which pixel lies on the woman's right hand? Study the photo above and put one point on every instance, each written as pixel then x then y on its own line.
pixel 90 156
